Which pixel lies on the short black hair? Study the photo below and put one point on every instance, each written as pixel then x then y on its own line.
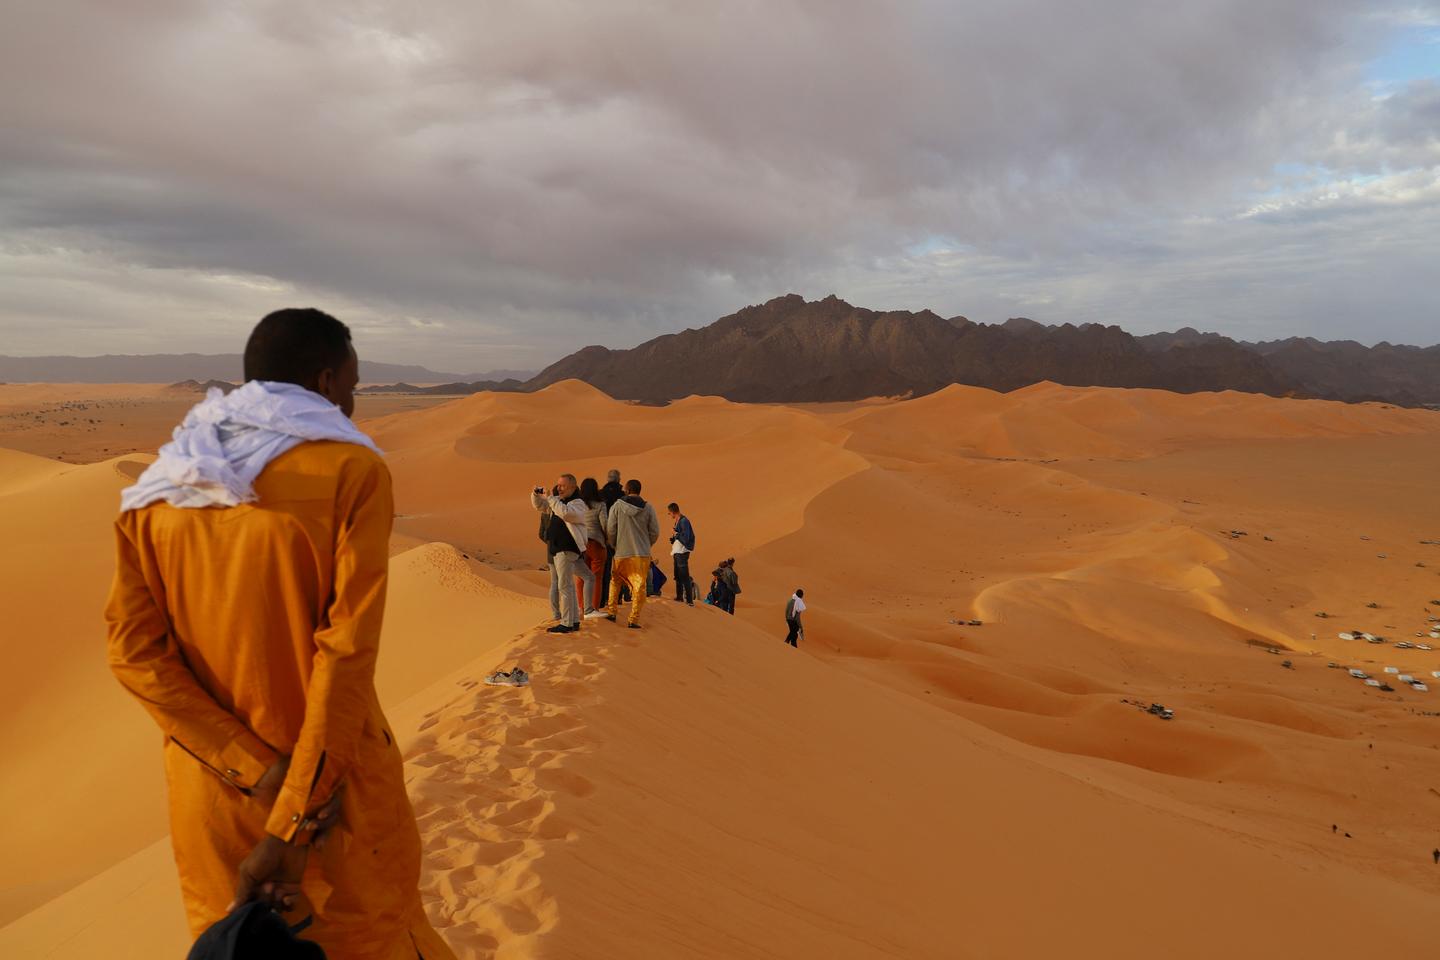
pixel 295 345
pixel 674 506
pixel 799 592
pixel 632 486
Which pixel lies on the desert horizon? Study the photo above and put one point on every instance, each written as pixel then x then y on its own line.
pixel 901 781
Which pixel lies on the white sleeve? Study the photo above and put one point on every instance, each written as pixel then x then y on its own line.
pixel 572 511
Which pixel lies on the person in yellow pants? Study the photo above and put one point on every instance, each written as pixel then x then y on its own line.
pixel 252 560
pixel 632 528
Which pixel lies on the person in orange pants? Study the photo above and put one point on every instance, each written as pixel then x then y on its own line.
pixel 633 572
pixel 632 528
pixel 252 560
pixel 590 587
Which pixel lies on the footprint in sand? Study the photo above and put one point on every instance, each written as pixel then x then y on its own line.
pixel 484 780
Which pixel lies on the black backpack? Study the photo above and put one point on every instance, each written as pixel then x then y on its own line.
pixel 255 932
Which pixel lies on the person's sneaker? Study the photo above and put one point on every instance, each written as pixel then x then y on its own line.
pixel 500 678
pixel 562 628
pixel 519 678
pixel 610 617
pixel 634 626
pixel 597 615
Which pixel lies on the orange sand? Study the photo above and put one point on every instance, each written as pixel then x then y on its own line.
pixel 86 422
pixel 901 785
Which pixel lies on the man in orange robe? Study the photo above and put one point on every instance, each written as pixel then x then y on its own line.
pixel 245 617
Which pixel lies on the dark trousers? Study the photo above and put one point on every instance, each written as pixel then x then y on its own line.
pixel 794 636
pixel 684 586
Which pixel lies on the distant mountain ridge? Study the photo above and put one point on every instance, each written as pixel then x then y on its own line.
pixel 793 350
pixel 173 367
pixel 789 349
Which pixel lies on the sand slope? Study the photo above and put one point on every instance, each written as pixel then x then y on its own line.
pixel 62 702
pixel 904 785
pixel 698 790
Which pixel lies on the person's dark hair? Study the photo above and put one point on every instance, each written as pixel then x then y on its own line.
pixel 295 345
pixel 716 572
pixel 799 593
pixel 632 486
pixel 673 508
pixel 590 491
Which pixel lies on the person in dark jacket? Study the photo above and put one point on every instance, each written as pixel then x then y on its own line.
pixel 564 535
pixel 682 541
pixel 720 595
pixel 732 580
pixel 612 491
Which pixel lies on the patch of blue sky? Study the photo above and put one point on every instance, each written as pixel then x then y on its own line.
pixel 1412 54
pixel 1293 181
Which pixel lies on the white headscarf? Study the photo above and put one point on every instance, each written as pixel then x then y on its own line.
pixel 225 441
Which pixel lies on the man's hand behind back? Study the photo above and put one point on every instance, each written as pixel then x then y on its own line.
pixel 320 823
pixel 273 870
pixel 271 874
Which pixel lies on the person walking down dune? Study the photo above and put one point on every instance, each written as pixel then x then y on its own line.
pixel 593 559
pixel 732 580
pixel 633 530
pixel 794 611
pixel 251 565
pixel 564 536
pixel 682 542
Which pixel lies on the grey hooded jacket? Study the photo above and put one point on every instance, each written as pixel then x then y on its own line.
pixel 632 527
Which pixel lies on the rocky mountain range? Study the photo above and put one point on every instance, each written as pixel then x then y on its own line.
pixel 790 349
pixel 794 350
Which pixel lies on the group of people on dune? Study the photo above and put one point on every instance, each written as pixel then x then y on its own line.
pixel 252 559
pixel 598 547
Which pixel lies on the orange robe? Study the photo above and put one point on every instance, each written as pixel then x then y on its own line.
pixel 250 632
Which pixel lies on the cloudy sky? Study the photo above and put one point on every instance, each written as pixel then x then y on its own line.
pixel 475 184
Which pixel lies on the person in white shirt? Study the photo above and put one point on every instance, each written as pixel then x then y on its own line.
pixel 793 611
pixel 682 542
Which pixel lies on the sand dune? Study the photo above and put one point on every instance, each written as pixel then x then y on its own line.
pixel 87 422
pixel 904 785
pixel 62 702
pixel 633 802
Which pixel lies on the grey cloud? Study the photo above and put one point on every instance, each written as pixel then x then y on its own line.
pixel 539 176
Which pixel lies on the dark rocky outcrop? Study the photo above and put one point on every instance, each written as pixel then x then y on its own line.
pixel 790 349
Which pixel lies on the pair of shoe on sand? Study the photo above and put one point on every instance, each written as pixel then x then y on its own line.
pixel 509 678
